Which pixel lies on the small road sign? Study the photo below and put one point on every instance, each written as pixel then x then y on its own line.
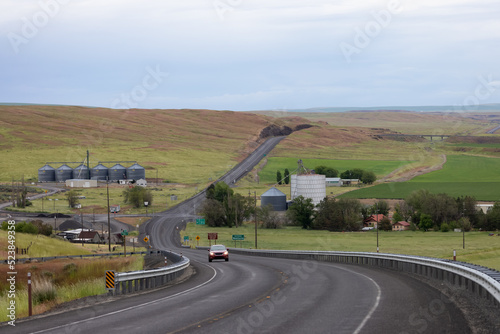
pixel 198 237
pixel 124 232
pixel 186 238
pixel 212 236
pixel 146 239
pixel 110 280
pixel 238 237
pixel 200 221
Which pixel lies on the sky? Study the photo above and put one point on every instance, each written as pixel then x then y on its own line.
pixel 250 54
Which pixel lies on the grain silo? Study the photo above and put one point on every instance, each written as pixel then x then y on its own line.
pixel 81 172
pixel 117 172
pixel 274 197
pixel 99 172
pixel 64 173
pixel 136 172
pixel 309 186
pixel 47 174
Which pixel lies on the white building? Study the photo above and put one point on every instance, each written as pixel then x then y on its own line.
pixel 311 186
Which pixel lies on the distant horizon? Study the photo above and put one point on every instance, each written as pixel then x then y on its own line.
pixel 492 107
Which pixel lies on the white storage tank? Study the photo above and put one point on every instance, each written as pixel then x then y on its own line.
pixel 311 186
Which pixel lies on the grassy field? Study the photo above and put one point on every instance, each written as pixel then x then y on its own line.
pixel 480 248
pixel 379 167
pixel 461 175
pixel 59 280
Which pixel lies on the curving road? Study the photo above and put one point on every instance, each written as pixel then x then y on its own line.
pixel 262 295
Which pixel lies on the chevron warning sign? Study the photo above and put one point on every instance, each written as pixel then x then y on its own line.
pixel 110 280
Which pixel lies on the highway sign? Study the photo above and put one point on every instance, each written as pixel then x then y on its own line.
pixel 212 236
pixel 124 232
pixel 146 239
pixel 186 238
pixel 110 280
pixel 238 237
pixel 200 221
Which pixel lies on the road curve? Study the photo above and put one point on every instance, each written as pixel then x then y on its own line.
pixel 261 295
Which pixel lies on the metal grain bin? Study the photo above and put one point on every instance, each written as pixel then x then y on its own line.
pixel 64 173
pixel 274 197
pixel 47 174
pixel 117 172
pixel 136 172
pixel 99 172
pixel 81 172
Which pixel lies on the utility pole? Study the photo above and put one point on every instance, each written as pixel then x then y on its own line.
pixel 255 218
pixel 377 225
pixel 109 220
pixel 81 219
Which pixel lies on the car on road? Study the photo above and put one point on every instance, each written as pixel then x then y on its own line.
pixel 218 252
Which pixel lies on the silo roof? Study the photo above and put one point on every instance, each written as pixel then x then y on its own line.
pixel 65 167
pixel 118 166
pixel 100 166
pixel 136 166
pixel 273 192
pixel 47 167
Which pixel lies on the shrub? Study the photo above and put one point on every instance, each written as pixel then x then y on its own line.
pixel 43 290
pixel 445 227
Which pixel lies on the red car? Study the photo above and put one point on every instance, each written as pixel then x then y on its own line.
pixel 218 252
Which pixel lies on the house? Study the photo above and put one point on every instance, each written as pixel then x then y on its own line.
pixel 401 226
pixel 92 237
pixel 116 238
pixel 71 234
pixel 333 182
pixel 373 220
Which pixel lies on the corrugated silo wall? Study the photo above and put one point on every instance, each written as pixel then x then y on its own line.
pixel 278 202
pixel 47 174
pixel 309 186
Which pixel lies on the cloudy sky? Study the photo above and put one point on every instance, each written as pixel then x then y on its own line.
pixel 250 54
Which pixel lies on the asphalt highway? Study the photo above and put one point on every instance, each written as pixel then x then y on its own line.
pixel 261 295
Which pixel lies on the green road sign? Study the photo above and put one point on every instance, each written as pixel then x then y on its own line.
pixel 186 238
pixel 124 232
pixel 238 237
pixel 200 221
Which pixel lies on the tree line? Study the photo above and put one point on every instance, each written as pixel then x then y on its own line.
pixel 365 176
pixel 422 209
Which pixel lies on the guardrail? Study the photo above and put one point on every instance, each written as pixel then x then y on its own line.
pixel 48 258
pixel 479 281
pixel 133 281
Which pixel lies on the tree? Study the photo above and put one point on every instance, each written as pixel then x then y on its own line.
pixel 137 196
pixel 287 176
pixel 219 192
pixel 426 222
pixel 368 177
pixel 385 224
pixel 380 207
pixel 278 177
pixel 301 212
pixel 213 211
pixel 269 218
pixel 326 171
pixel 72 197
pixel 338 215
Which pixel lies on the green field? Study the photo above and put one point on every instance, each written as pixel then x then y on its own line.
pixel 461 175
pixel 379 167
pixel 480 248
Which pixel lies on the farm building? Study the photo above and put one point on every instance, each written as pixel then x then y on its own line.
pixel 401 226
pixel 275 198
pixel 80 183
pixel 333 182
pixel 373 220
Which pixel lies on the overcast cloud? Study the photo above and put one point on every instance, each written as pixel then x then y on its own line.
pixel 249 54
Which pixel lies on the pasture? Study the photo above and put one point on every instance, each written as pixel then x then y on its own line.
pixel 461 175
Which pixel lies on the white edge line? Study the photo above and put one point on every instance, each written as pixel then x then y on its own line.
pixel 131 307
